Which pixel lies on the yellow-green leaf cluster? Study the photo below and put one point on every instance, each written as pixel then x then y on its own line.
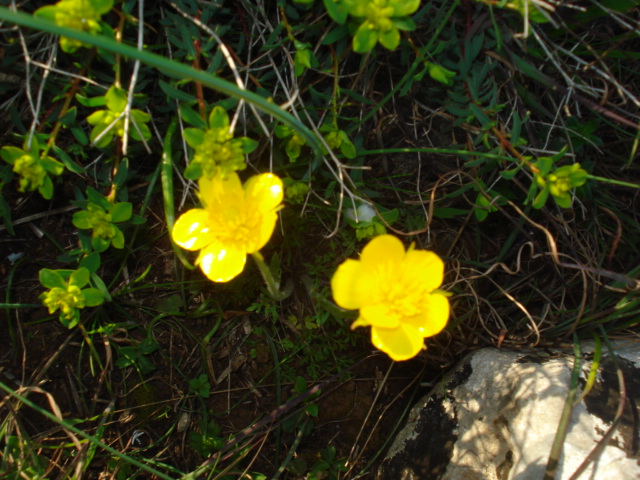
pixel 32 167
pixel 81 15
pixel 216 149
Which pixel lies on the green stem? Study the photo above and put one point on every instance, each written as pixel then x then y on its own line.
pixel 167 191
pixel 613 182
pixel 273 285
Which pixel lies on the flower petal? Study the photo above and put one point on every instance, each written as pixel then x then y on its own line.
pixel 400 343
pixel 380 315
pixel 264 191
pixel 221 263
pixel 433 317
pixel 423 268
pixel 263 234
pixel 192 230
pixel 351 288
pixel 221 190
pixel 383 249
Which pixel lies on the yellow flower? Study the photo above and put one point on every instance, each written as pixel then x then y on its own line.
pixel 397 295
pixel 234 221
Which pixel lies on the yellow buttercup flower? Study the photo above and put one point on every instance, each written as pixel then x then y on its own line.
pixel 234 221
pixel 397 294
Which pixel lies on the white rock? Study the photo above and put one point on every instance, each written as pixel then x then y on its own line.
pixel 499 415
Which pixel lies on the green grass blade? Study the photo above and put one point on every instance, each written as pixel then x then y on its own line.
pixel 67 426
pixel 169 67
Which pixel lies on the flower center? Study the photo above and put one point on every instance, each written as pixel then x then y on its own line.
pixel 403 300
pixel 237 227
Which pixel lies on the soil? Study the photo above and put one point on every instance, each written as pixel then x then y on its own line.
pixel 154 414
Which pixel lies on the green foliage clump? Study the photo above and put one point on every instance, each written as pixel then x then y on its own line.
pixel 100 216
pixel 216 149
pixel 67 295
pixel 33 167
pixel 110 122
pixel 81 15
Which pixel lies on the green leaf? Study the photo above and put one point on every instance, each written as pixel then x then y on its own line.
pixel 52 166
pixel 46 189
pixel 92 297
pixel 99 283
pixel 11 154
pixel 69 117
pixel 104 140
pixel 219 118
pixel 563 201
pixel 336 34
pixel 390 39
pixel 190 116
pixel 544 164
pixel 100 244
pixel 82 219
pixel 91 262
pixel 118 240
pixel 541 198
pixel 348 149
pixel 193 171
pixel 48 12
pixel 510 174
pixel 148 345
pixel 98 118
pixel 404 23
pixel 67 161
pixel 337 10
pixel 102 6
pixel 193 136
pixel 301 61
pixel 98 199
pixel 404 7
pixel 51 279
pixel 441 74
pixel 70 323
pixel 173 92
pixel 283 131
pixel 364 39
pixel 121 212
pixel 116 99
pixel 79 277
pixel 91 102
pixel 248 144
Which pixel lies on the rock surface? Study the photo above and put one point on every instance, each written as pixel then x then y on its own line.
pixel 495 416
